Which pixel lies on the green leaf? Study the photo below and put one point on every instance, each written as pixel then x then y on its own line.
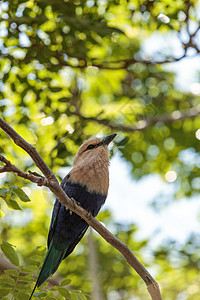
pixel 54 288
pixel 60 297
pixel 51 297
pixel 82 296
pixel 36 258
pixel 22 295
pixel 63 291
pixel 44 285
pixel 20 193
pixel 74 296
pixel 4 292
pixel 7 281
pixel 65 282
pixel 40 294
pixel 12 204
pixel 12 272
pixel 6 195
pixel 30 269
pixel 4 192
pixel 10 253
pixel 25 278
pixel 21 288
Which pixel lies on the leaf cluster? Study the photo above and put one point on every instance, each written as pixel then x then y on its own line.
pixel 18 283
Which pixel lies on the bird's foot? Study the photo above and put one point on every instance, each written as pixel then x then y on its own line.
pixel 39 179
pixel 75 202
pixel 88 215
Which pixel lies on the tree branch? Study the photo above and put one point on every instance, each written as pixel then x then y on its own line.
pixel 54 186
pixel 144 123
pixel 123 64
pixel 40 180
pixel 114 65
pixel 19 141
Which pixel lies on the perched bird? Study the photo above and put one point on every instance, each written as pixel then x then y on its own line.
pixel 87 183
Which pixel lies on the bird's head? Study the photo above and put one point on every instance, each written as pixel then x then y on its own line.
pixel 93 150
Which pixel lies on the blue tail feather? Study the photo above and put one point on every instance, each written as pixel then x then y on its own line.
pixel 50 265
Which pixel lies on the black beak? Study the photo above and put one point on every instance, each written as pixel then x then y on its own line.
pixel 108 139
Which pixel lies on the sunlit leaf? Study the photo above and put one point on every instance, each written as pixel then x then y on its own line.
pixel 74 296
pixel 20 193
pixel 22 295
pixel 63 291
pixel 30 269
pixel 65 282
pixel 3 192
pixel 12 272
pixel 25 278
pixel 36 258
pixel 4 292
pixel 10 252
pixel 82 296
pixel 7 281
pixel 13 204
pixel 39 294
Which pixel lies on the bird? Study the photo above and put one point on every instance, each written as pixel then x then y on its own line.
pixel 87 183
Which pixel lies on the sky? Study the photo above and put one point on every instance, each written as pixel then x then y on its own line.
pixel 130 200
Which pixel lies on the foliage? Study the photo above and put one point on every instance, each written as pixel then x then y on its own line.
pixel 57 64
pixel 72 69
pixel 18 283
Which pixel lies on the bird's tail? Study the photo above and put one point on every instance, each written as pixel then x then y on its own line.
pixel 50 265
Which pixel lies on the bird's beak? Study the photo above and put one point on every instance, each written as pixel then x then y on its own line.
pixel 108 139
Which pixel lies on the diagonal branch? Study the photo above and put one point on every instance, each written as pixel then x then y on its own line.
pixel 18 140
pixel 54 186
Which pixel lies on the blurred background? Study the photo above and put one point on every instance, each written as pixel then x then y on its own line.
pixel 74 69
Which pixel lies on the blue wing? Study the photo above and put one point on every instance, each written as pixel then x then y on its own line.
pixel 67 229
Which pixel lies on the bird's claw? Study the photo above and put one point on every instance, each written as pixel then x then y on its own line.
pixel 88 215
pixel 75 202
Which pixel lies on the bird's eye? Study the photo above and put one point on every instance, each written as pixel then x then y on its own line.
pixel 90 147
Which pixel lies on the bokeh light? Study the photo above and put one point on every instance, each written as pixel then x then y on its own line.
pixel 170 176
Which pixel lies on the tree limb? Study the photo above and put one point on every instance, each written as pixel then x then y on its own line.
pixel 40 180
pixel 144 123
pixel 54 186
pixel 19 141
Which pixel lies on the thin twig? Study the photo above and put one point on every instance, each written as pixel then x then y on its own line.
pixel 54 186
pixel 144 123
pixel 40 180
